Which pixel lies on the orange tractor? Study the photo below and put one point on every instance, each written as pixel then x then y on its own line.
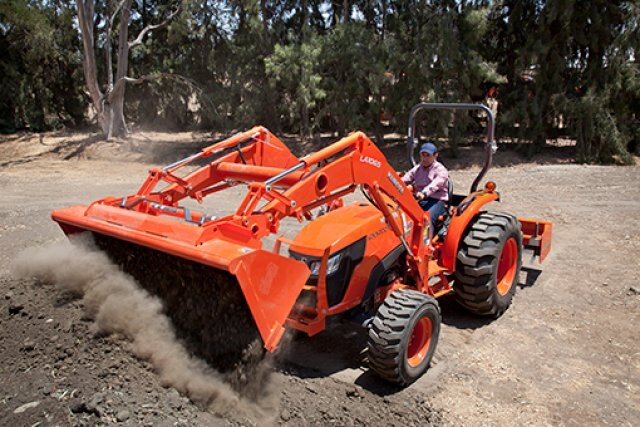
pixel 375 261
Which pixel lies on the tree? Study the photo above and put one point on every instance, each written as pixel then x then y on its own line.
pixel 601 68
pixel 109 103
pixel 38 63
pixel 294 69
pixel 316 65
pixel 578 63
pixel 353 70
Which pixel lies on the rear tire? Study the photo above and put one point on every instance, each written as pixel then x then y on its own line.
pixel 488 264
pixel 403 336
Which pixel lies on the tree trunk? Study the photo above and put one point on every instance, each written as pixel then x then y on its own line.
pixel 85 20
pixel 110 105
pixel 116 98
pixel 118 125
pixel 384 19
pixel 265 27
pixel 304 129
pixel 268 116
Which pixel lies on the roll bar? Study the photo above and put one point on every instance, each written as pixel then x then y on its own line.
pixel 490 146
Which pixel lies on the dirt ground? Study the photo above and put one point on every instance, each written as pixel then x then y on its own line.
pixel 567 352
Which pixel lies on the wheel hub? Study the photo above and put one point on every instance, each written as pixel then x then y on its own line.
pixel 507 266
pixel 419 341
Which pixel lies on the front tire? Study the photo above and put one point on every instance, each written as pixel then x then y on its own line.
pixel 403 336
pixel 488 264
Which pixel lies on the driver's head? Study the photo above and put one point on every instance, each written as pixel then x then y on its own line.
pixel 428 153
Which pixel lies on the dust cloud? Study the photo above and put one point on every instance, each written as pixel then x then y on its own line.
pixel 118 305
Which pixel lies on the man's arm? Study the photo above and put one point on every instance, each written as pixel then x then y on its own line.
pixel 407 178
pixel 439 182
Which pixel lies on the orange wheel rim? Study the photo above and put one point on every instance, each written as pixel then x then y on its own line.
pixel 507 266
pixel 419 341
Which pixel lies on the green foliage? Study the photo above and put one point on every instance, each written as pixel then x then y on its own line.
pixel 40 68
pixel 294 73
pixel 556 67
pixel 598 137
pixel 353 67
pixel 570 69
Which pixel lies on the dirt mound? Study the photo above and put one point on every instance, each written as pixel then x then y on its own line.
pixel 118 305
pixel 206 306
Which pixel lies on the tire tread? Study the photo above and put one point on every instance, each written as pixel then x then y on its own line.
pixel 477 261
pixel 387 330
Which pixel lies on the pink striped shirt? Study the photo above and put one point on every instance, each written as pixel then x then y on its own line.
pixel 432 181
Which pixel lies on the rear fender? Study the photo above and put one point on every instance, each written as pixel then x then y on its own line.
pixel 464 213
pixel 271 284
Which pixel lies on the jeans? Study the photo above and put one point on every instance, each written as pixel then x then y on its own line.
pixel 435 208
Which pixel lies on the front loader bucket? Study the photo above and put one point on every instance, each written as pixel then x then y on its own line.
pixel 226 300
pixel 271 284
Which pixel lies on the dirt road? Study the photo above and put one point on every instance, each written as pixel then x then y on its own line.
pixel 567 352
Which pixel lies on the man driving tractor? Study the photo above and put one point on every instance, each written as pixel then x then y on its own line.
pixel 430 180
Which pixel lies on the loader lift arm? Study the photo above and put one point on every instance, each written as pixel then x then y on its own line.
pixel 291 186
pixel 255 154
pixel 355 160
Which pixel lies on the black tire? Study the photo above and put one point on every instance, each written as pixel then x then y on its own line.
pixel 488 264
pixel 394 354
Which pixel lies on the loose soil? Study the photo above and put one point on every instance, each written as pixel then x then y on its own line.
pixel 567 352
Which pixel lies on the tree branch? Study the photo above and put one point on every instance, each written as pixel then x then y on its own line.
pixel 145 30
pixel 115 12
pixel 147 78
pixel 108 97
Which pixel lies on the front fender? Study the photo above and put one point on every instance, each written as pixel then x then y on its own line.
pixel 464 213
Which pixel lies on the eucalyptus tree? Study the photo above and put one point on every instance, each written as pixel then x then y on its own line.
pixel 105 27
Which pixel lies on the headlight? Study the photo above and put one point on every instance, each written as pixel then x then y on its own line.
pixel 332 265
pixel 340 267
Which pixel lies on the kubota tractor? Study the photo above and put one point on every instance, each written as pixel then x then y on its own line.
pixel 376 261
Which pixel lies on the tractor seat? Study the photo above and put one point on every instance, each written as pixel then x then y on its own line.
pixel 449 193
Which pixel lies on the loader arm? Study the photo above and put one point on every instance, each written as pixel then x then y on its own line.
pixel 350 162
pixel 254 155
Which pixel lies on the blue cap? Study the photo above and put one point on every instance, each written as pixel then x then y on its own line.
pixel 428 147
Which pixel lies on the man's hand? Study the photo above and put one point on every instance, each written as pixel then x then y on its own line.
pixel 420 196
